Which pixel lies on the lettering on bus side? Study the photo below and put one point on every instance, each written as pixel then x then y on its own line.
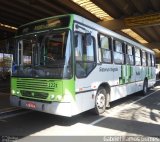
pixel 108 69
pixel 138 73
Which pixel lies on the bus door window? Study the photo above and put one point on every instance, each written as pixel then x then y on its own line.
pixel 118 52
pixel 84 55
pixel 88 52
pixel 78 47
pixel 26 51
pixel 20 45
pixel 104 44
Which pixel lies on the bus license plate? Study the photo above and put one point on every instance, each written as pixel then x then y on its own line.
pixel 31 105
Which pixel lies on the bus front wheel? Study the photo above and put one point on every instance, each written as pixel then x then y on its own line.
pixel 100 101
pixel 145 87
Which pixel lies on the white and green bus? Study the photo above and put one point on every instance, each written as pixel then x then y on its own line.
pixel 66 65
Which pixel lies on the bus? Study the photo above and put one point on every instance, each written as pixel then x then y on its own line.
pixel 65 65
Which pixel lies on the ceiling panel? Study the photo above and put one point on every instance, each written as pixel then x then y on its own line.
pixel 18 12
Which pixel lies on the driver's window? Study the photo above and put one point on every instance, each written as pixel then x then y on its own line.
pixel 53 49
pixel 54 46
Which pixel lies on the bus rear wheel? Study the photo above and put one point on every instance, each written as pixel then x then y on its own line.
pixel 100 101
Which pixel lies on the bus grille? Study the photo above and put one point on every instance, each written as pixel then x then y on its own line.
pixel 37 85
pixel 37 95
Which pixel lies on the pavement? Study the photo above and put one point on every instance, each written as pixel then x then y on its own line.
pixel 4 94
pixel 5 107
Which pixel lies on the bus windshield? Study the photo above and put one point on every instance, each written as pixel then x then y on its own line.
pixel 43 55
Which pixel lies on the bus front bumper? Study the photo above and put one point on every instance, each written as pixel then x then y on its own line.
pixel 57 108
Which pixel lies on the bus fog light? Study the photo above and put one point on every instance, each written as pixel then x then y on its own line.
pixel 59 97
pixel 18 92
pixel 52 97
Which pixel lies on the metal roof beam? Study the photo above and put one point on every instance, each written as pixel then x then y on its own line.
pixel 115 12
pixel 53 6
pixel 15 6
pixel 153 45
pixel 113 24
pixel 77 9
pixel 16 13
pixel 133 22
pixel 36 7
pixel 9 21
pixel 7 29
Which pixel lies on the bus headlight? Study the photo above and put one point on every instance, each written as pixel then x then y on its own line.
pixel 13 92
pixel 18 92
pixel 59 97
pixel 52 97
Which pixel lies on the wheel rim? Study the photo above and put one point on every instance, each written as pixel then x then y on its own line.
pixel 145 89
pixel 100 100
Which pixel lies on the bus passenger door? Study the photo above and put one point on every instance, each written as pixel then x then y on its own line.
pixel 138 69
pixel 85 63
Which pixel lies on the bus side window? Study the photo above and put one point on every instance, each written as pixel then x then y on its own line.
pixel 129 55
pixel 153 61
pixel 144 58
pixel 137 57
pixel 105 46
pixel 149 60
pixel 118 52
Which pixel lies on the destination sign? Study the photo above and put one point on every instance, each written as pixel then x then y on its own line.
pixel 60 22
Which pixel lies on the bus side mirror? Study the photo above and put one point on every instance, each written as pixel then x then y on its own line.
pixel 88 39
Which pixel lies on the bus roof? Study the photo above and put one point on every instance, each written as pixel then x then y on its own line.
pixel 95 26
pixel 106 31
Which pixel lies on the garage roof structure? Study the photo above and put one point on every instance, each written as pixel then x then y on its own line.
pixel 136 19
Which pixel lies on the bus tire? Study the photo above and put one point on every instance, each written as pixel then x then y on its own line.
pixel 100 101
pixel 145 87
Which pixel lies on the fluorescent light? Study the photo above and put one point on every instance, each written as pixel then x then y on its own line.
pixel 134 35
pixel 7 26
pixel 98 12
pixel 156 50
pixel 94 9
